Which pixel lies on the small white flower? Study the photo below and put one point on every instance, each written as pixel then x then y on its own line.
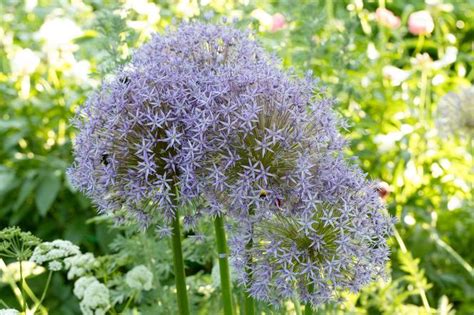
pixel 449 57
pixel 413 173
pixel 149 15
pixel 409 219
pixel 54 251
pixel 94 296
pixel 139 278
pixel 55 265
pixel 438 79
pixel 12 271
pixel 96 299
pixel 187 8
pixel 372 52
pixel 80 71
pixel 79 265
pixel 30 5
pixel 24 62
pixel 395 75
pixel 9 311
pixel 264 18
pixel 386 142
pixel 58 32
pixel 81 285
pixel 454 203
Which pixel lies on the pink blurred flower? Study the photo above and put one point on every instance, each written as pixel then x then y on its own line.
pixel 420 23
pixel 278 22
pixel 387 18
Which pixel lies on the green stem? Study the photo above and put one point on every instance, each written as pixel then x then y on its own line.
pixel 222 254
pixel 130 299
pixel 43 295
pixel 297 305
pixel 452 252
pixel 404 250
pixel 330 9
pixel 307 308
pixel 4 304
pixel 423 97
pixel 419 44
pixel 180 276
pixel 11 281
pixel 249 304
pixel 35 300
pixel 22 286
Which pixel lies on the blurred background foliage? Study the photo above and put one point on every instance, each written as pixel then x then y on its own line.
pixel 387 83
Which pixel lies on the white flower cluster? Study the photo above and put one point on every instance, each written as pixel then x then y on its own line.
pixel 140 278
pixel 9 311
pixel 94 296
pixel 53 253
pixel 79 265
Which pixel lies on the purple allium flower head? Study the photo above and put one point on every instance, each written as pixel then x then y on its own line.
pixel 144 134
pixel 205 113
pixel 327 234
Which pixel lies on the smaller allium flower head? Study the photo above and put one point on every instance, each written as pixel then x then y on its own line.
pixel 139 278
pixel 332 240
pixel 386 18
pixel 456 113
pixel 420 23
pixel 9 311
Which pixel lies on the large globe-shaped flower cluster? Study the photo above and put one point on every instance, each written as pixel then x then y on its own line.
pixel 455 113
pixel 203 113
pixel 143 137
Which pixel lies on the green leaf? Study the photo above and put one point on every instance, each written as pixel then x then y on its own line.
pixel 7 180
pixel 12 124
pixel 47 191
pixel 28 186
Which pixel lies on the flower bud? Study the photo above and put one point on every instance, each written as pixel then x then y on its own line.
pixel 420 23
pixel 278 22
pixel 386 18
